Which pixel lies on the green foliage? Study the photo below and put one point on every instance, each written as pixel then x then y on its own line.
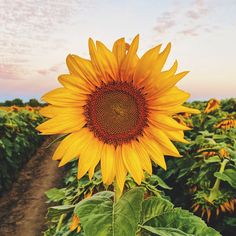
pixel 18 141
pixel 18 102
pixel 33 102
pixel 203 181
pixel 133 215
pixel 120 218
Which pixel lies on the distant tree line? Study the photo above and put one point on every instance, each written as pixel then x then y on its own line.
pixel 19 102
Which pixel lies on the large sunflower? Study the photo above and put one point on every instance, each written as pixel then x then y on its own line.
pixel 117 108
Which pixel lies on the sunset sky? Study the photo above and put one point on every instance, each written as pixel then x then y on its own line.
pixel 37 35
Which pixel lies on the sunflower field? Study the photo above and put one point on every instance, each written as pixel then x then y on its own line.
pixel 196 195
pixel 18 141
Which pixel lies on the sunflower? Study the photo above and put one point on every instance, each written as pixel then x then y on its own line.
pixel 29 108
pixel 14 108
pixel 75 224
pixel 117 109
pixel 226 124
pixel 209 210
pixel 212 105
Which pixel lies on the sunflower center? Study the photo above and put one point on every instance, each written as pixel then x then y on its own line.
pixel 116 113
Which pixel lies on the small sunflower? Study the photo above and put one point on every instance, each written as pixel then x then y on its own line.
pixel 14 108
pixel 117 109
pixel 226 124
pixel 212 105
pixel 75 224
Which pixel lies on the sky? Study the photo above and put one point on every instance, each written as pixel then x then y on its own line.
pixel 37 35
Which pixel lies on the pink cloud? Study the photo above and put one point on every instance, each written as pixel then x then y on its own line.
pixel 10 72
pixel 52 69
pixel 190 32
pixel 163 25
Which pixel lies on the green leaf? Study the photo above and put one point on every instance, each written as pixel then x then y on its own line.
pixel 100 216
pixel 164 231
pixel 155 206
pixel 184 221
pixel 212 159
pixel 160 182
pixel 56 211
pixel 229 176
pixel 159 217
pixel 55 194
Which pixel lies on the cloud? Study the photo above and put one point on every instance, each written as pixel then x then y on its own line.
pixel 187 19
pixel 191 31
pixel 10 72
pixel 30 30
pixel 165 22
pixel 164 25
pixel 198 10
pixel 52 69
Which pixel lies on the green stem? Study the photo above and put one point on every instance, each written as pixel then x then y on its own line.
pixel 60 222
pixel 215 189
pixel 117 191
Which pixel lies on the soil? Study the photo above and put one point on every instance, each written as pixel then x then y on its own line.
pixel 23 208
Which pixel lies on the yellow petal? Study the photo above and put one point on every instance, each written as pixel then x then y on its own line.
pixel 75 222
pixel 75 84
pixel 65 144
pixel 173 97
pixel 132 163
pixel 63 97
pixel 108 60
pixel 161 61
pixel 167 84
pixel 143 157
pixel 97 63
pixel 166 122
pixel 107 162
pixel 119 50
pixel 162 140
pixel 154 151
pixel 168 73
pixel 145 65
pixel 86 69
pixel 47 112
pixel 96 159
pixel 175 135
pixel 62 124
pixel 170 110
pixel 52 111
pixel 78 146
pixel 130 61
pixel 121 171
pixel 88 155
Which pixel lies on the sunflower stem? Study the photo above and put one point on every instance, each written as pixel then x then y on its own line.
pixel 215 189
pixel 60 222
pixel 117 191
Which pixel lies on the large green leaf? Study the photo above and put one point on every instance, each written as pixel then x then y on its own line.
pixel 165 231
pixel 229 176
pixel 155 206
pixel 100 216
pixel 163 219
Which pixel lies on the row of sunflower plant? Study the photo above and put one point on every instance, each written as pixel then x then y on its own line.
pixel 18 141
pixel 115 112
pixel 205 178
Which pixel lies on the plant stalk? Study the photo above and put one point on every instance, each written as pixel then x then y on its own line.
pixel 215 189
pixel 117 191
pixel 60 223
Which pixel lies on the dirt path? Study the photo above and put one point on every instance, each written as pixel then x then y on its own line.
pixel 23 209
